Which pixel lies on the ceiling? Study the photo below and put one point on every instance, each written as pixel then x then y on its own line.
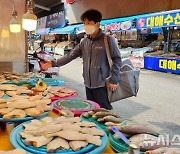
pixel 46 7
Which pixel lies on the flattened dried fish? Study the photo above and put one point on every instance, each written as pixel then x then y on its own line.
pixel 37 141
pixel 86 124
pixel 57 143
pixel 1 94
pixel 15 114
pixel 34 112
pixel 77 145
pixel 69 135
pixel 70 126
pixel 92 131
pixel 45 129
pixel 4 111
pixel 21 104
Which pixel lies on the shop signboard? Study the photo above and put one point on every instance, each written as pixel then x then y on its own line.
pixel 114 27
pixel 52 21
pixel 41 23
pixel 117 26
pixel 162 64
pixel 55 20
pixel 165 19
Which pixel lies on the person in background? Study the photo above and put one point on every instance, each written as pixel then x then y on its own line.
pixel 115 37
pixel 95 64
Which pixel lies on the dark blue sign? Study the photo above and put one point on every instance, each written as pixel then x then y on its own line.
pixel 159 20
pixel 162 64
pixel 55 20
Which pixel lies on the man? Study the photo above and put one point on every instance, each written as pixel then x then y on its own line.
pixel 95 64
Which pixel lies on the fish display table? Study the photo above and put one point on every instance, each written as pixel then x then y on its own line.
pixel 5 141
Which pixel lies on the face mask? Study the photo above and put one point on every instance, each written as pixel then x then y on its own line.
pixel 89 29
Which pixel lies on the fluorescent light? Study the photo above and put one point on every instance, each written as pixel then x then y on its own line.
pixel 29 21
pixel 14 25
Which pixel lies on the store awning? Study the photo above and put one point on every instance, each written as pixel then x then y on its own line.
pixel 42 31
pixel 66 30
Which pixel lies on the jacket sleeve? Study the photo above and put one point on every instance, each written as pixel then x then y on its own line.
pixel 116 59
pixel 73 54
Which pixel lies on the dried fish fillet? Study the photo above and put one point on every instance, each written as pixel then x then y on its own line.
pixel 43 107
pixel 1 94
pixel 21 104
pixel 65 119
pixel 25 135
pixel 37 122
pixel 2 100
pixel 45 129
pixel 33 112
pixel 15 114
pixel 94 139
pixel 57 143
pixel 69 135
pixel 37 141
pixel 86 124
pixel 12 93
pixel 43 101
pixel 70 126
pixel 35 98
pixel 47 120
pixel 5 87
pixel 15 151
pixel 4 111
pixel 77 145
pixel 3 105
pixel 92 131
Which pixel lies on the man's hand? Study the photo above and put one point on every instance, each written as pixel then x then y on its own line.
pixel 112 87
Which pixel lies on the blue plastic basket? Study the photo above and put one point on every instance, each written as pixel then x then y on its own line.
pixel 17 142
pixel 49 81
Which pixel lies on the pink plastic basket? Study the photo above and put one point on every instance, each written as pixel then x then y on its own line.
pixel 78 112
pixel 55 98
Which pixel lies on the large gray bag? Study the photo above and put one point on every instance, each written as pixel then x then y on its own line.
pixel 129 79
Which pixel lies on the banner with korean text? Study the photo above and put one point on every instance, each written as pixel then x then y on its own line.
pixel 165 19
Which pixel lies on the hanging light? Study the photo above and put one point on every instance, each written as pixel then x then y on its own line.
pixel 14 26
pixel 29 21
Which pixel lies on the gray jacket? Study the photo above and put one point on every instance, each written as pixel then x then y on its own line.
pixel 95 64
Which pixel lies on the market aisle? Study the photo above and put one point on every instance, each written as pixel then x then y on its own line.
pixel 157 103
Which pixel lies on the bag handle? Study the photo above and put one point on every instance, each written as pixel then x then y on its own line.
pixel 127 65
pixel 108 51
pixel 136 88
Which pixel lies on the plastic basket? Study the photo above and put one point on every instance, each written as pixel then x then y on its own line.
pixel 49 82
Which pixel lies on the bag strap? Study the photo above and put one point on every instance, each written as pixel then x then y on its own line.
pixel 108 51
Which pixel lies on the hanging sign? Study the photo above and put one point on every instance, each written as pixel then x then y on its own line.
pixel 117 26
pixel 55 20
pixel 41 23
pixel 159 20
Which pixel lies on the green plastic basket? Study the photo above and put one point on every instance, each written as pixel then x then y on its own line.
pixel 74 104
pixel 118 145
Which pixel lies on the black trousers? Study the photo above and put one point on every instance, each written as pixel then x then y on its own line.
pixel 100 96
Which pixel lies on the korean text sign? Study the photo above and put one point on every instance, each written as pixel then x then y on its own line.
pixel 159 20
pixel 162 64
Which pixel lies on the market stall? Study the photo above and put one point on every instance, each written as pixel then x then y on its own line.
pixel 169 20
pixel 70 124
